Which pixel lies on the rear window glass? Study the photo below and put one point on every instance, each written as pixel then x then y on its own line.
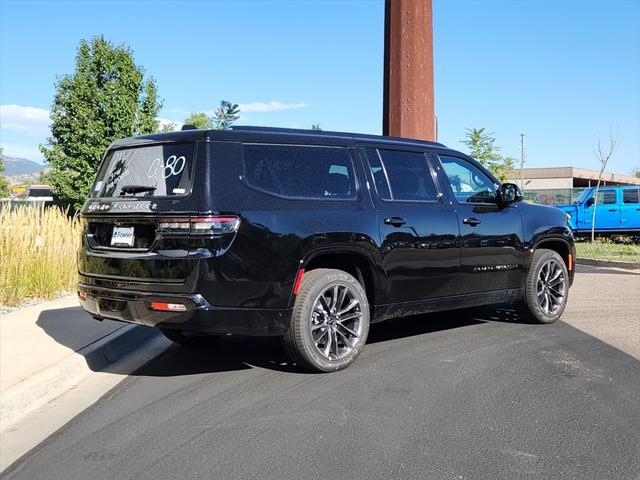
pixel 631 195
pixel 153 171
pixel 300 171
pixel 379 175
pixel 402 176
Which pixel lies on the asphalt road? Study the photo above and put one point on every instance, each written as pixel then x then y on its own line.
pixel 459 395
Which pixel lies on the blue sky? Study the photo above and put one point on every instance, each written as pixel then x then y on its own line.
pixel 563 72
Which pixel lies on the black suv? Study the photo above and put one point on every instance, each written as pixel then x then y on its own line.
pixel 310 236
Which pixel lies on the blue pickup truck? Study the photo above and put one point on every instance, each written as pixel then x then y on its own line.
pixel 617 210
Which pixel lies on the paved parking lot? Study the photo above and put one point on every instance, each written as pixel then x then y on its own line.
pixel 606 304
pixel 457 395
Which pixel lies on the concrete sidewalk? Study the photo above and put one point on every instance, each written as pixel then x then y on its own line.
pixel 55 360
pixel 37 337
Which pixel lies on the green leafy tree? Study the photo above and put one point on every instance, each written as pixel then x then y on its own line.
pixel 4 184
pixel 222 119
pixel 105 98
pixel 168 127
pixel 482 147
pixel 43 177
pixel 199 120
pixel 315 126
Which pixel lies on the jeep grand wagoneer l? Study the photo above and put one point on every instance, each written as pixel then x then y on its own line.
pixel 310 236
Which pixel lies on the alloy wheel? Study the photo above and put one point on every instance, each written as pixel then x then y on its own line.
pixel 336 322
pixel 551 287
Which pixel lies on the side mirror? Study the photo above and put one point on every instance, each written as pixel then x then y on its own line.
pixel 509 193
pixel 590 201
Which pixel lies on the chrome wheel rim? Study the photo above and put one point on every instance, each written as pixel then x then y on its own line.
pixel 551 287
pixel 336 322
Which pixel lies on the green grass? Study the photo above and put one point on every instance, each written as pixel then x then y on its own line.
pixel 607 250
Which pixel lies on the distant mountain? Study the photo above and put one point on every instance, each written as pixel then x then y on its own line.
pixel 21 166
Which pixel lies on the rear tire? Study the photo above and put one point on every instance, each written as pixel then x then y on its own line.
pixel 330 321
pixel 189 339
pixel 546 288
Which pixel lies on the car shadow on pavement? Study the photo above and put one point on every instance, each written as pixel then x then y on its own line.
pixel 71 327
pixel 231 353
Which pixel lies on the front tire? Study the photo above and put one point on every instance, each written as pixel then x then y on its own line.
pixel 330 321
pixel 546 288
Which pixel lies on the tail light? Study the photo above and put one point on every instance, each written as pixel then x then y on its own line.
pixel 168 307
pixel 209 225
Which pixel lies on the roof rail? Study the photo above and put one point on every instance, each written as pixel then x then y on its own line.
pixel 300 131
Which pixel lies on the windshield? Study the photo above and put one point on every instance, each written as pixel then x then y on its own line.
pixel 583 196
pixel 150 171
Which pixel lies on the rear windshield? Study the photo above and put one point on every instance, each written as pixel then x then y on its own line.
pixel 150 171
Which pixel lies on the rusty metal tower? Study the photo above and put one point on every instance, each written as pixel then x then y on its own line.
pixel 408 70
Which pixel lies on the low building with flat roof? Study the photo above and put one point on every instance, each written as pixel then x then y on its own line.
pixel 566 177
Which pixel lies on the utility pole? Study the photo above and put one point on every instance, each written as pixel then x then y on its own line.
pixel 522 161
pixel 408 108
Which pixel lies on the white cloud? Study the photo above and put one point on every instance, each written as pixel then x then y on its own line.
pixel 23 119
pixel 270 106
pixel 164 121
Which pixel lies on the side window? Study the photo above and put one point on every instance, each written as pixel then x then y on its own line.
pixel 378 173
pixel 606 197
pixel 631 195
pixel 401 176
pixel 300 172
pixel 468 182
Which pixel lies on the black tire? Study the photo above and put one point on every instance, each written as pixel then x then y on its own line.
pixel 532 307
pixel 189 339
pixel 312 324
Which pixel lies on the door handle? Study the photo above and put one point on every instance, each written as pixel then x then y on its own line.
pixel 613 209
pixel 471 221
pixel 395 221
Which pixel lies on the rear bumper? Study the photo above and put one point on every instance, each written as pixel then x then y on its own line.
pixel 133 306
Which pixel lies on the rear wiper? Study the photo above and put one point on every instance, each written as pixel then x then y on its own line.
pixel 136 189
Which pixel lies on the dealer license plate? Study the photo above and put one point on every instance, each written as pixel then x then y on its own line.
pixel 122 237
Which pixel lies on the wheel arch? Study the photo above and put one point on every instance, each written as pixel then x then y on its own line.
pixel 354 261
pixel 563 248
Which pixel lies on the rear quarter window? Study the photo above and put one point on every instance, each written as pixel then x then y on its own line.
pixel 631 195
pixel 296 172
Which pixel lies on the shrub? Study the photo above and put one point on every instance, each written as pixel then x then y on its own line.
pixel 38 248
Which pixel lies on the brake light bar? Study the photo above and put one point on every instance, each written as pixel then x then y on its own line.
pixel 208 225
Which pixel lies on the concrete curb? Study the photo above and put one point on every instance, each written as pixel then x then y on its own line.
pixel 27 396
pixel 608 263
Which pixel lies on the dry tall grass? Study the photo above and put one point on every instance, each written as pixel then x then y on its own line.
pixel 37 253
